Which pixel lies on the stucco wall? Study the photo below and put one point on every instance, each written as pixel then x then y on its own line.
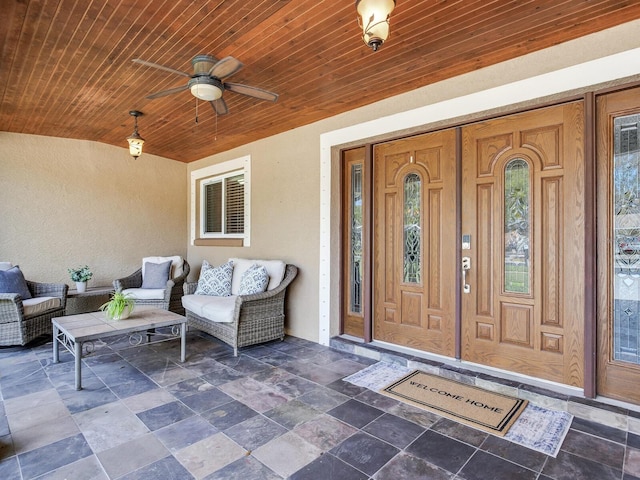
pixel 287 179
pixel 67 203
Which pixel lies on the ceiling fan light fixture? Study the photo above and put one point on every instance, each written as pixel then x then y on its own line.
pixel 373 18
pixel 135 140
pixel 206 88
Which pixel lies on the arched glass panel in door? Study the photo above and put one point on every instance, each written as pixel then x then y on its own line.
pixel 412 228
pixel 517 226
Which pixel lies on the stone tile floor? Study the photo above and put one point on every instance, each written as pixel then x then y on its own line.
pixel 279 410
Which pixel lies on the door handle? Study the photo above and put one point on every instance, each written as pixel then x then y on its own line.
pixel 466 266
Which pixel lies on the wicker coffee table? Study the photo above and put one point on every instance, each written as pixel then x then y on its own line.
pixel 73 331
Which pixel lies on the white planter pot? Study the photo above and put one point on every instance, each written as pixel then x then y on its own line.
pixel 124 315
pixel 81 287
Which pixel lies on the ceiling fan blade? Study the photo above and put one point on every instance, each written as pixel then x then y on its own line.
pixel 164 93
pixel 161 67
pixel 254 92
pixel 220 106
pixel 225 67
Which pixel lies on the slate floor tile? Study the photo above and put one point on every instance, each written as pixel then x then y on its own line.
pixel 299 454
pixel 55 455
pixel 132 455
pixel 206 400
pixel 440 450
pixel 198 458
pixel 410 467
pixel 85 468
pixel 246 468
pixel 227 415
pixel 255 432
pixel 599 430
pixel 364 452
pixel 570 467
pixel 394 430
pixel 594 448
pixel 355 413
pixel 483 464
pixel 164 415
pixel 292 413
pixel 526 457
pixel 632 462
pixel 461 432
pixel 185 432
pixel 167 468
pixel 328 467
pixel 323 398
pixel 324 431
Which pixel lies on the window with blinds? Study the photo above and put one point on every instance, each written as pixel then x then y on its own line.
pixel 223 206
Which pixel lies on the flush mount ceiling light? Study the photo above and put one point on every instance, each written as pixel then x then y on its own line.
pixel 135 140
pixel 374 21
pixel 206 88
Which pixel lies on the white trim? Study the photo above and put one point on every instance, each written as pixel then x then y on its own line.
pixel 593 72
pixel 239 164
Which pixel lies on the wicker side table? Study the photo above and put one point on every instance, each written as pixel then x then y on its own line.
pixel 89 301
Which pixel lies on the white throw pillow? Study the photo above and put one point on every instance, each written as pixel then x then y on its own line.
pixel 215 280
pixel 254 280
pixel 275 270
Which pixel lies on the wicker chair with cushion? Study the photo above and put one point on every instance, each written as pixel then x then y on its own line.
pixel 239 319
pixel 26 313
pixel 157 282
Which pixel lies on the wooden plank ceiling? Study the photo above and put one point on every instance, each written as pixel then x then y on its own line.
pixel 66 69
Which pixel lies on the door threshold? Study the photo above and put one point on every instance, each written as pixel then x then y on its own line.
pixel 552 395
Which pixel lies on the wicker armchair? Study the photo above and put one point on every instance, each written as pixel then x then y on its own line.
pixel 16 328
pixel 258 318
pixel 172 293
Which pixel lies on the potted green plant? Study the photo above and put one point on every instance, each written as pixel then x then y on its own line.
pixel 119 307
pixel 80 275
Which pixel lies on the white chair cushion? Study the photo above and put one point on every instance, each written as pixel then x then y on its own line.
pixel 145 293
pixel 176 264
pixel 216 309
pixel 5 265
pixel 38 305
pixel 275 269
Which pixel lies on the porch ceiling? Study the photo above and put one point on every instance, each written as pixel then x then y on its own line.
pixel 66 70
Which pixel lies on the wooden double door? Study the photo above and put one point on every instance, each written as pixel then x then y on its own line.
pixel 478 243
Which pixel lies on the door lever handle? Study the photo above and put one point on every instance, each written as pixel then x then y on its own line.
pixel 466 266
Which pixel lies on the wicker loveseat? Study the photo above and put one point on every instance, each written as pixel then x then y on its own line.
pixel 168 297
pixel 256 318
pixel 22 320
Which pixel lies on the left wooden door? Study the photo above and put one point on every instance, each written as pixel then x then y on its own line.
pixel 414 231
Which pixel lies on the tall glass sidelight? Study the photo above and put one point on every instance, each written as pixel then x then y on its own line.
pixel 355 261
pixel 626 244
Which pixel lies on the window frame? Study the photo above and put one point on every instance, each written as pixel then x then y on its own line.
pixel 219 172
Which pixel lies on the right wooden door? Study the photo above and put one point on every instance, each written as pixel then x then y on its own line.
pixel 523 236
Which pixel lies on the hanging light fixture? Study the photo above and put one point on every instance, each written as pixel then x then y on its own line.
pixel 374 20
pixel 135 140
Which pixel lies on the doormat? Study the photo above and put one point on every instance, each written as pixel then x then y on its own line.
pixel 537 428
pixel 488 411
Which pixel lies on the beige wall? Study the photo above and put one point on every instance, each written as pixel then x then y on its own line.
pixel 67 203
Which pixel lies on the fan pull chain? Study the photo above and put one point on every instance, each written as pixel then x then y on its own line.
pixel 196 110
pixel 215 138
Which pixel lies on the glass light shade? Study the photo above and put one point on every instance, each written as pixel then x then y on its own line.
pixel 374 19
pixel 205 91
pixel 135 145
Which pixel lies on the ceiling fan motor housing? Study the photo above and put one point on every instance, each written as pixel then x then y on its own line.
pixel 202 64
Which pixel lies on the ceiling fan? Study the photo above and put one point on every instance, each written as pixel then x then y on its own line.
pixel 206 81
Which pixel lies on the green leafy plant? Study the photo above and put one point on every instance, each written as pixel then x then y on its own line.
pixel 119 303
pixel 80 274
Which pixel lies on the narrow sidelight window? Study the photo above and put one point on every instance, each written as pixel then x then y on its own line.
pixel 356 239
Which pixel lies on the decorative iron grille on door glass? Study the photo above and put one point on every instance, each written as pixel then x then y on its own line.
pixel 412 228
pixel 626 244
pixel 356 239
pixel 517 180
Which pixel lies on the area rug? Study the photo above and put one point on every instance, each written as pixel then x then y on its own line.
pixel 488 411
pixel 537 428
